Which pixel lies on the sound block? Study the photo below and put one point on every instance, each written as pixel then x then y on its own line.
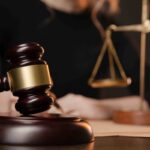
pixel 132 117
pixel 46 130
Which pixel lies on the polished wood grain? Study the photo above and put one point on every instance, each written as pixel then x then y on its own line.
pixel 4 85
pixel 45 130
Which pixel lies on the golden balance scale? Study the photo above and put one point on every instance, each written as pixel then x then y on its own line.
pixel 140 116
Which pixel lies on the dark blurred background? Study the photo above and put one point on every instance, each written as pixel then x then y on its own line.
pixel 130 13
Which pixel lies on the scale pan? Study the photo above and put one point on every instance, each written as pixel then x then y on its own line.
pixel 110 83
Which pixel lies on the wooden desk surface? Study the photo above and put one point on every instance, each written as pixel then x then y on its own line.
pixel 101 143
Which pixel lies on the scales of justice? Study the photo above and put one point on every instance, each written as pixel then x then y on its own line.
pixel 140 117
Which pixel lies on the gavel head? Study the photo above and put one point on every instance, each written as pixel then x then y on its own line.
pixel 29 78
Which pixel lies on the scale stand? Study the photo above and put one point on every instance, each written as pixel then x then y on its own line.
pixel 140 116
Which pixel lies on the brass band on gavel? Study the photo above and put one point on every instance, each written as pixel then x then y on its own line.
pixel 29 76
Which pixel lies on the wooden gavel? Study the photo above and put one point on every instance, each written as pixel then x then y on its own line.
pixel 28 78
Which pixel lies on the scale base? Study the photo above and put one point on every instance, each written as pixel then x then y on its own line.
pixel 47 130
pixel 132 117
pixel 110 83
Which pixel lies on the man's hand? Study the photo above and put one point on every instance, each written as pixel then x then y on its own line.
pixel 90 108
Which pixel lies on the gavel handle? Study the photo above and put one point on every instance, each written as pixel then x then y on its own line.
pixel 53 97
pixel 4 85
